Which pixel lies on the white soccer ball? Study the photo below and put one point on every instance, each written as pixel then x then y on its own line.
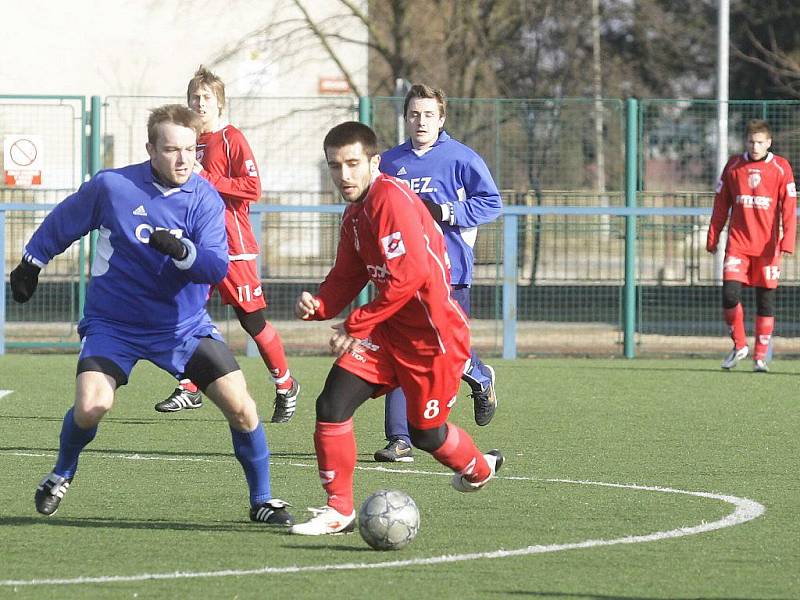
pixel 388 520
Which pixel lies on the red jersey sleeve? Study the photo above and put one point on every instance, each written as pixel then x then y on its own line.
pixel 723 199
pixel 788 203
pixel 241 181
pixel 344 281
pixel 398 235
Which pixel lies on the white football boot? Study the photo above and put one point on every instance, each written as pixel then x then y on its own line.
pixel 326 521
pixel 462 484
pixel 734 357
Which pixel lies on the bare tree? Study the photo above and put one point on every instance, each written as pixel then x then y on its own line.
pixel 782 67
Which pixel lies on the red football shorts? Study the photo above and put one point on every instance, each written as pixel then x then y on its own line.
pixel 430 382
pixel 241 287
pixel 754 271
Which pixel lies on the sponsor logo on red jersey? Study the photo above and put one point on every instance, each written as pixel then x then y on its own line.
pixel 393 245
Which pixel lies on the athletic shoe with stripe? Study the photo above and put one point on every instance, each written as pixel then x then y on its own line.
pixel 462 484
pixel 326 521
pixel 760 366
pixel 734 357
pixel 286 403
pixel 50 493
pixel 395 451
pixel 272 512
pixel 485 400
pixel 180 399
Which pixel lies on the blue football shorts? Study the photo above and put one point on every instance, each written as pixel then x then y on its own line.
pixel 101 340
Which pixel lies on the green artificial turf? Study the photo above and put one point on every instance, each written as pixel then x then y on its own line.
pixel 157 494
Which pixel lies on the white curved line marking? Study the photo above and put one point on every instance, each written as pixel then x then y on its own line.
pixel 745 510
pixel 5 392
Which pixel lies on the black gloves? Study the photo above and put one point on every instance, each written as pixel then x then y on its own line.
pixel 24 280
pixel 434 209
pixel 168 244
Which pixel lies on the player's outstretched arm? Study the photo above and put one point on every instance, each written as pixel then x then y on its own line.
pixel 24 279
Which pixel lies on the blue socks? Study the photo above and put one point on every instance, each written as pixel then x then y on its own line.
pixel 252 452
pixel 73 439
pixel 395 425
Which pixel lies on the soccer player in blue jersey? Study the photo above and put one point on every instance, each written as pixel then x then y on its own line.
pixel 161 245
pixel 458 190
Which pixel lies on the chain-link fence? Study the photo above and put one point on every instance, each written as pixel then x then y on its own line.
pixel 546 155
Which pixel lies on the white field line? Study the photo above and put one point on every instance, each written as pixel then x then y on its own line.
pixel 5 392
pixel 744 510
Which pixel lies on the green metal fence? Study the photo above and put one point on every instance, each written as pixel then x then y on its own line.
pixel 601 282
pixel 679 139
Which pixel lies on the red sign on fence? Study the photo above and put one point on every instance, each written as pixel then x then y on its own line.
pixel 22 160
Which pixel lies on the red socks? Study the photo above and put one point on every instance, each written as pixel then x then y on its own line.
pixel 188 385
pixel 335 444
pixel 764 326
pixel 461 454
pixel 270 347
pixel 734 317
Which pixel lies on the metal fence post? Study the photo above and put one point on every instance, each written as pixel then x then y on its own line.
pixel 90 167
pixel 364 116
pixel 3 295
pixel 631 187
pixel 510 230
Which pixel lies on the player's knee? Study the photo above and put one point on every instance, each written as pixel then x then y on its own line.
pixel 342 394
pixel 88 414
pixel 240 412
pixel 428 440
pixel 330 410
pixel 253 322
pixel 765 302
pixel 230 394
pixel 731 293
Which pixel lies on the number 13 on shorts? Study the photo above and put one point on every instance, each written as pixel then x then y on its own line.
pixel 772 272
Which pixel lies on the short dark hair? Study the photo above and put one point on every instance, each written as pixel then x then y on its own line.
pixel 205 77
pixel 171 113
pixel 420 90
pixel 758 126
pixel 351 132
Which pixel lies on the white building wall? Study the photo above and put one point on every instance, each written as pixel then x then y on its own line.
pixel 151 48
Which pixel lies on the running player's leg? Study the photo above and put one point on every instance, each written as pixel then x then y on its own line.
pixel 270 347
pixel 242 290
pixel 216 372
pixel 430 384
pixel 103 365
pixel 395 426
pixel 358 375
pixel 479 376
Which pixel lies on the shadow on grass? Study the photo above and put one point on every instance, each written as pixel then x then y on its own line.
pixel 152 524
pixel 631 366
pixel 156 454
pixel 589 596
pixel 327 547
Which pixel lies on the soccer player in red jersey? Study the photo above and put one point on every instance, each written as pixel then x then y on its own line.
pixel 757 190
pixel 413 334
pixel 225 159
